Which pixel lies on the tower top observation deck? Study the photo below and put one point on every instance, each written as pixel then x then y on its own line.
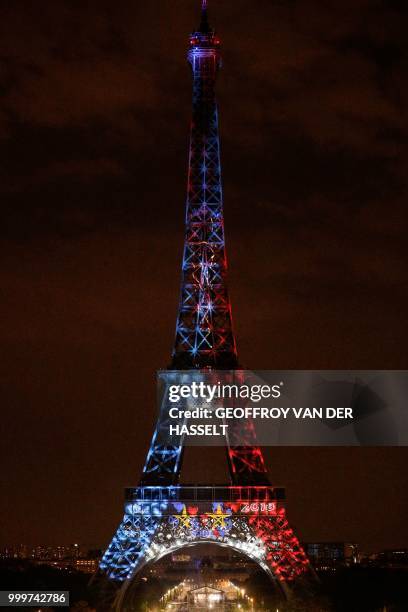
pixel 204 37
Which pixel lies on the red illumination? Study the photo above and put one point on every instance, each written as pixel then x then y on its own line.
pixel 284 552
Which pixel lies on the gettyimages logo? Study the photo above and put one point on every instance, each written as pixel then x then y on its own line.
pixel 312 408
pixel 211 392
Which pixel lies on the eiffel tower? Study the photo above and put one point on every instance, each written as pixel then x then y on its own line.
pixel 248 514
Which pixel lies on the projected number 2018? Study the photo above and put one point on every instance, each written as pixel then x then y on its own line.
pixel 258 507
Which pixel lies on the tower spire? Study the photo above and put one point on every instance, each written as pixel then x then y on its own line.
pixel 204 334
pixel 204 25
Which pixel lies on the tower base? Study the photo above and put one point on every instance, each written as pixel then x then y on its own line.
pixel 159 520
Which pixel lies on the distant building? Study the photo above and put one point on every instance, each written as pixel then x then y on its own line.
pixel 178 565
pixel 61 557
pixel 206 597
pixel 55 553
pixel 396 559
pixel 21 551
pixel 87 566
pixel 221 595
pixel 330 555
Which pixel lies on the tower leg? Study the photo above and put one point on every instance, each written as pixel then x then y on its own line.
pixel 128 546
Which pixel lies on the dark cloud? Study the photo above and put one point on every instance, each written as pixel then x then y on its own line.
pixel 94 114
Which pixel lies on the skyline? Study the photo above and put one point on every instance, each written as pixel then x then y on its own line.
pixel 93 245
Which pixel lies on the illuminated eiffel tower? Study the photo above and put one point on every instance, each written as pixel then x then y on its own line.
pixel 161 515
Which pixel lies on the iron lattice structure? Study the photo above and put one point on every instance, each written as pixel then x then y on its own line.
pixel 163 462
pixel 161 515
pixel 204 335
pixel 160 520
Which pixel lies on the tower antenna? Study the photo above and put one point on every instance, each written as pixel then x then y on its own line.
pixel 204 25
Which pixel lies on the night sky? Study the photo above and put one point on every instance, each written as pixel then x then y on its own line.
pixel 95 103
